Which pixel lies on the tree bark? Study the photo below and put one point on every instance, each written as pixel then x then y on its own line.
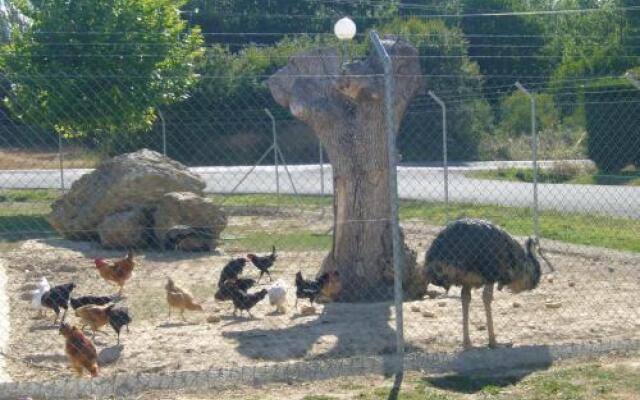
pixel 344 105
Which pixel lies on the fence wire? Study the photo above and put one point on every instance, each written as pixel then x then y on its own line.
pixel 260 242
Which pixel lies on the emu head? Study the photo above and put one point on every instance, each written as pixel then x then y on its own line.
pixel 532 251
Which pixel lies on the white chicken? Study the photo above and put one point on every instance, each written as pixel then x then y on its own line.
pixel 36 295
pixel 278 296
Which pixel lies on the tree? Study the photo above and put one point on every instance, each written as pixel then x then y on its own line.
pixel 98 68
pixel 449 73
pixel 344 106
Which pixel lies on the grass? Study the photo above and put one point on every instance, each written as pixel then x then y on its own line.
pixel 46 159
pixel 23 212
pixel 560 175
pixel 583 382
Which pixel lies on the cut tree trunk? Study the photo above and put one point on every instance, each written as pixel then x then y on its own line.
pixel 344 105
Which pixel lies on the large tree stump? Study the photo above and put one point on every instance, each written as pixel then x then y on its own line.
pixel 344 105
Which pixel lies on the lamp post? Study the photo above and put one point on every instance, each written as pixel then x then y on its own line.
pixel 345 30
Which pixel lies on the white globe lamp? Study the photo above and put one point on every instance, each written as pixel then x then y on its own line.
pixel 345 29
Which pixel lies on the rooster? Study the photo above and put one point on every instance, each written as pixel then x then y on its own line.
pixel 278 296
pixel 243 300
pixel 231 270
pixel 56 298
pixel 36 295
pixel 81 352
pixel 324 285
pixel 118 272
pixel 264 263
pixel 180 299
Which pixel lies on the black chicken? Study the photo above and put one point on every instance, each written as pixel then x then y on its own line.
pixel 310 289
pixel 119 317
pixel 58 297
pixel 93 300
pixel 231 270
pixel 243 284
pixel 243 300
pixel 264 263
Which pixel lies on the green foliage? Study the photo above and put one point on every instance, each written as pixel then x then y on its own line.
pixel 448 73
pixel 613 124
pixel 96 69
pixel 515 113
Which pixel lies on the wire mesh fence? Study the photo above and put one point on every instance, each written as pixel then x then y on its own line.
pixel 258 216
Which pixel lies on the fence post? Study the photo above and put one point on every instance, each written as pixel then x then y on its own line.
pixel 321 161
pixel 275 155
pixel 393 193
pixel 445 165
pixel 534 146
pixel 61 157
pixel 164 133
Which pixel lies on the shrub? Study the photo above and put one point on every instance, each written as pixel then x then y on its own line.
pixel 612 110
pixel 515 114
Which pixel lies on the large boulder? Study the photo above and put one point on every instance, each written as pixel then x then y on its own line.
pixel 125 229
pixel 188 222
pixel 127 182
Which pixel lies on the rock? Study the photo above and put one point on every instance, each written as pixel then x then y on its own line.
pixel 124 229
pixel 442 304
pixel 213 319
pixel 308 310
pixel 432 294
pixel 571 284
pixel 552 304
pixel 415 309
pixel 550 279
pixel 126 182
pixel 481 327
pixel 516 304
pixel 188 221
pixel 428 314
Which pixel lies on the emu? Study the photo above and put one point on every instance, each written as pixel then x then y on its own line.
pixel 472 253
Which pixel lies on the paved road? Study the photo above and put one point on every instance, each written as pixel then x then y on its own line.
pixel 419 183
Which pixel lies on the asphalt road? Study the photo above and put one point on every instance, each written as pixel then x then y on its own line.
pixel 419 183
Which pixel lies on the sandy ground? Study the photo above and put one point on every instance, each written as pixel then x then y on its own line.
pixel 594 293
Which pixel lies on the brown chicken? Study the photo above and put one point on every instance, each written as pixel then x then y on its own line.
pixel 94 316
pixel 180 299
pixel 118 272
pixel 81 352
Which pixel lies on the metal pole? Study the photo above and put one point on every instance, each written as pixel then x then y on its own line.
pixel 61 157
pixel 390 119
pixel 164 133
pixel 321 161
pixel 275 155
pixel 534 147
pixel 445 164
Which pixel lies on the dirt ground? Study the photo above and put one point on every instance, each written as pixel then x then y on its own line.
pixel 592 297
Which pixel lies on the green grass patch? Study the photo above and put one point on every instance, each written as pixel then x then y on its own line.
pixel 266 200
pixel 299 240
pixel 614 233
pixel 28 196
pixel 560 175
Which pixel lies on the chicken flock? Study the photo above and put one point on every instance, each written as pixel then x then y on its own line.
pixel 97 311
pixel 467 253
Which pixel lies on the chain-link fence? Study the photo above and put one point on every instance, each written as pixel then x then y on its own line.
pixel 262 245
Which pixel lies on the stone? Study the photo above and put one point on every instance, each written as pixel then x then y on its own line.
pixel 213 319
pixel 124 183
pixel 415 309
pixel 187 221
pixel 571 284
pixel 442 304
pixel 553 304
pixel 308 310
pixel 126 229
pixel 516 304
pixel 428 314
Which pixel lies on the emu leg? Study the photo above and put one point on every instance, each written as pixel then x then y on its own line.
pixel 466 300
pixel 487 298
